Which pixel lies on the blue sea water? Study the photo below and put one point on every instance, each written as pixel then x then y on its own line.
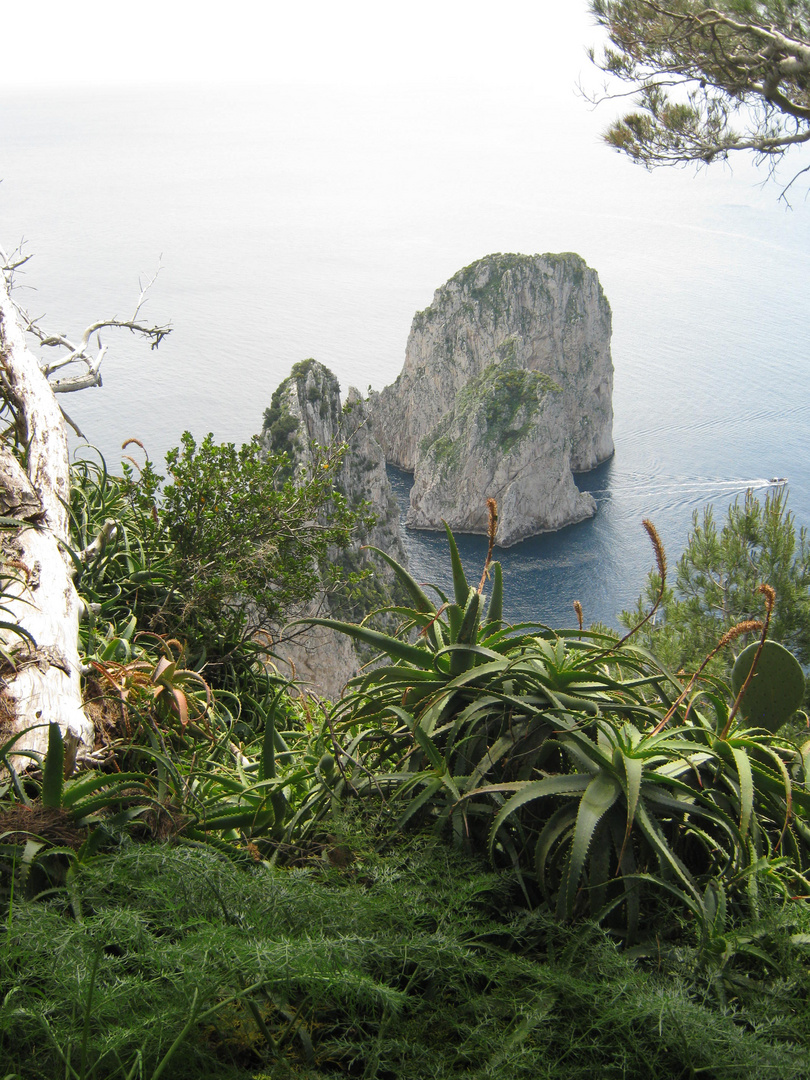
pixel 295 221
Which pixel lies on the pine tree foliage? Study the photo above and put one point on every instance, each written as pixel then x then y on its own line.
pixel 709 79
pixel 716 584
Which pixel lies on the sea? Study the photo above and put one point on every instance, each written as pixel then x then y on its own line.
pixel 285 221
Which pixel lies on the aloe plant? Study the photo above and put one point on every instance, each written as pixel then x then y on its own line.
pixel 569 755
pixel 45 836
pixel 88 795
pixel 241 797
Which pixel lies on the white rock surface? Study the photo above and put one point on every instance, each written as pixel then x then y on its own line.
pixel 543 314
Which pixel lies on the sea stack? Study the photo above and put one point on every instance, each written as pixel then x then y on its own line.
pixel 506 391
pixel 306 413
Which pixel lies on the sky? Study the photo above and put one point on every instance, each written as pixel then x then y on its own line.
pixel 92 42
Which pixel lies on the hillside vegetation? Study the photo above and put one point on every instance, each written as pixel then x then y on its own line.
pixel 506 851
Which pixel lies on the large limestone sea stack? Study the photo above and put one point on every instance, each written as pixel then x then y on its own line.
pixel 505 393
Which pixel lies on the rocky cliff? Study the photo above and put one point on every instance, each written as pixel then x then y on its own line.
pixel 306 412
pixel 505 392
pixel 507 438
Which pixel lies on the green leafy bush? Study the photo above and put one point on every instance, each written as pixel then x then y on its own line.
pixel 246 540
pixel 231 546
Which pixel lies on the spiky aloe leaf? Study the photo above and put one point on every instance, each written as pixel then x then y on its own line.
pixel 779 783
pixel 454 616
pixel 599 869
pixel 572 703
pixel 432 787
pixel 195 837
pixel 100 804
pixel 667 859
pixel 563 819
pixel 697 808
pixel 116 649
pixel 460 659
pixel 804 755
pixel 495 751
pixel 393 647
pixel 585 753
pixel 633 769
pixel 494 616
pixel 249 820
pixel 83 787
pixel 165 671
pixel 529 790
pixel 495 610
pixel 30 851
pixel 597 799
pixel 746 778
pixel 714 901
pixel 20 631
pixel 53 770
pixel 281 806
pixel 468 631
pixel 267 762
pixel 396 676
pixel 511 637
pixel 460 586
pixel 415 591
pixel 437 761
pixel 626 859
pixel 420 599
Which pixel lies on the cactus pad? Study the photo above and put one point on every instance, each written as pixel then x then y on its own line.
pixel 777 689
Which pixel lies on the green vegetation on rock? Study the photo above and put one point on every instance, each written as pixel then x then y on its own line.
pixel 501 403
pixel 510 398
pixel 484 281
pixel 279 424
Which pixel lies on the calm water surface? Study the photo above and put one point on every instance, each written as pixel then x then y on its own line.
pixel 294 222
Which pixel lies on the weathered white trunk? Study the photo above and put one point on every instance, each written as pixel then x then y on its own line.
pixel 46 685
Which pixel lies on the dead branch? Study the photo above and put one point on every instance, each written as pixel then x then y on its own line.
pixel 80 353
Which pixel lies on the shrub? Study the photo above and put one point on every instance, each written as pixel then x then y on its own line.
pixel 230 546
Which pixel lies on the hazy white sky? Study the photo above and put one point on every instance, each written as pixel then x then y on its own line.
pixel 47 42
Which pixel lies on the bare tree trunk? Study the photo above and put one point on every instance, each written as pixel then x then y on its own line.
pixel 37 587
